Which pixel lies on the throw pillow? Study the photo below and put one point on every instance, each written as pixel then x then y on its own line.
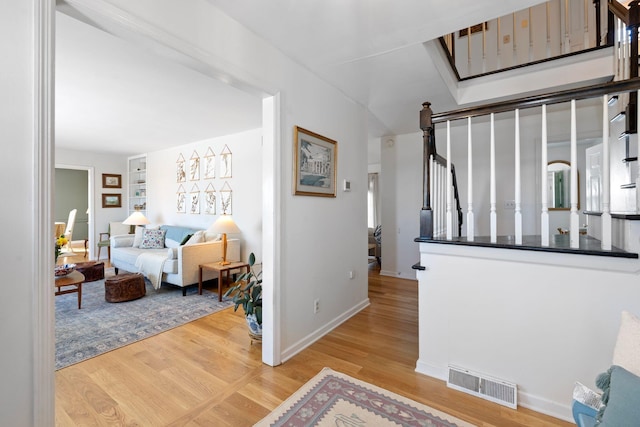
pixel 198 237
pixel 153 239
pixel 186 239
pixel 621 394
pixel 626 353
pixel 137 239
pixel 210 236
pixel 172 253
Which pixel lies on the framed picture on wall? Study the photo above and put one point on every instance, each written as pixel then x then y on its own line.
pixel 110 180
pixel 111 200
pixel 315 160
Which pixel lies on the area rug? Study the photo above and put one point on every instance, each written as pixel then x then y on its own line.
pixel 100 326
pixel 335 399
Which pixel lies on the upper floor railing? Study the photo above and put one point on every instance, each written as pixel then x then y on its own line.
pixel 540 33
pixel 428 120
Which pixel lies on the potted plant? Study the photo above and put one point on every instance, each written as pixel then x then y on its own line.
pixel 247 291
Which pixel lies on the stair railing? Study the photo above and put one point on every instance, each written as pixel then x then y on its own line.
pixel 440 188
pixel 428 120
pixel 540 33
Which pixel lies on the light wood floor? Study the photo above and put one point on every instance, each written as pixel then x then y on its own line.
pixel 207 373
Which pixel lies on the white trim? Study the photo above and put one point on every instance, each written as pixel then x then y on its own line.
pixel 305 342
pixel 43 381
pixel 271 231
pixel 525 400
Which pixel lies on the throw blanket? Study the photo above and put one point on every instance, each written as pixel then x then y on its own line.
pixel 151 264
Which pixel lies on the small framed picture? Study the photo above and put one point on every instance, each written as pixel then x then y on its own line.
pixel 315 159
pixel 111 200
pixel 110 180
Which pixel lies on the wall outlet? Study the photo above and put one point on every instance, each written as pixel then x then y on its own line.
pixel 509 204
pixel 351 274
pixel 316 305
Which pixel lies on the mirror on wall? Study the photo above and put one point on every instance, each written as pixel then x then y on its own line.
pixel 558 185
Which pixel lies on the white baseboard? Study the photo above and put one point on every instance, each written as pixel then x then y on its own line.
pixel 305 342
pixel 526 400
pixel 399 274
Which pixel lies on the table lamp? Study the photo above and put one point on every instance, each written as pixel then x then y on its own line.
pixel 224 224
pixel 136 218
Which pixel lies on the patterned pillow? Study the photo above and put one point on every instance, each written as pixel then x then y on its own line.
pixel 153 239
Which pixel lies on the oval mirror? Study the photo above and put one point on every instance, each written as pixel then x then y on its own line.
pixel 558 185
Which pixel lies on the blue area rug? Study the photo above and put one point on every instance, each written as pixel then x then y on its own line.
pixel 100 326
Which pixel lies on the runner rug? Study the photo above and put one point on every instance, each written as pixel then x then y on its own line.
pixel 335 399
pixel 101 326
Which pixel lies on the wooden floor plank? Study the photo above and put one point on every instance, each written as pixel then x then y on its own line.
pixel 208 372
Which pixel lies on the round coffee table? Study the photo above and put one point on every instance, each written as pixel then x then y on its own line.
pixel 73 279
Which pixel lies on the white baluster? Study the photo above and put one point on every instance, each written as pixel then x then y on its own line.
pixel 530 36
pixel 470 218
pixel 432 195
pixel 548 53
pixel 574 236
pixel 606 178
pixel 518 196
pixel 449 184
pixel 484 48
pixel 469 50
pixel 638 165
pixel 498 44
pixel 515 47
pixel 492 214
pixel 586 25
pixel 544 219
pixel 567 44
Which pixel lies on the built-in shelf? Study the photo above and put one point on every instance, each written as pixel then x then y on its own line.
pixel 137 191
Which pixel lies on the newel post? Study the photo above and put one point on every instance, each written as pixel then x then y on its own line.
pixel 429 148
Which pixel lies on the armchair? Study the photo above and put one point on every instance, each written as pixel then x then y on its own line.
pixel 115 229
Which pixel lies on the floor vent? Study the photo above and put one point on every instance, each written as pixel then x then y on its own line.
pixel 480 385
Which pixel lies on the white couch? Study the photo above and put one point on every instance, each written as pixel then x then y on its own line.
pixel 181 265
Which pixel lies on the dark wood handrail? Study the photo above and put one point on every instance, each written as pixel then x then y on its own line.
pixel 619 10
pixel 610 88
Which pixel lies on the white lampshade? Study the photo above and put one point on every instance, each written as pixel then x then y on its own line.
pixel 225 225
pixel 136 218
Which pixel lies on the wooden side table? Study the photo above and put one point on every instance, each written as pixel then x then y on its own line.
pixel 73 279
pixel 221 269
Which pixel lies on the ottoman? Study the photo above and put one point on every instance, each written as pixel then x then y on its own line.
pixel 124 287
pixel 92 270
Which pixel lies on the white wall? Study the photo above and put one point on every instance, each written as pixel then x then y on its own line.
pixel 246 149
pixel 321 239
pixel 540 320
pixel 101 163
pixel 21 203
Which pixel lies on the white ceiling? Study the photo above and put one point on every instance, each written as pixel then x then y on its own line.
pixel 113 95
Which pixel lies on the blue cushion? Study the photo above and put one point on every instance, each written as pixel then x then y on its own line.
pixel 623 404
pixel 177 233
pixel 584 416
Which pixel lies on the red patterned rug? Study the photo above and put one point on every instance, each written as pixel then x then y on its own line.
pixel 335 399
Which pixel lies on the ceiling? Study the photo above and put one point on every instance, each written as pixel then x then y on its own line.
pixel 113 95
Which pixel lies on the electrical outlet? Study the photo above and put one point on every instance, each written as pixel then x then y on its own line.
pixel 316 305
pixel 351 274
pixel 509 204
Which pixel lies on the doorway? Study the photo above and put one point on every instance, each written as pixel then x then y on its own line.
pixel 73 191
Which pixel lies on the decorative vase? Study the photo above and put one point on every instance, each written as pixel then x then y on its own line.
pixel 255 329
